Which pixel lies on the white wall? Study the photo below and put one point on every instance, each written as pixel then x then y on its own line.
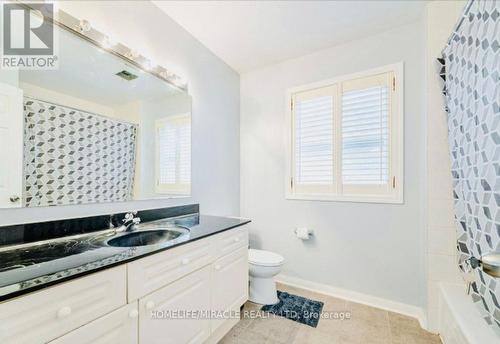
pixel 440 18
pixel 374 249
pixel 10 77
pixel 215 91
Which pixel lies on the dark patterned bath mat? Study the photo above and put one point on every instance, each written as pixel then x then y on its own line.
pixel 296 308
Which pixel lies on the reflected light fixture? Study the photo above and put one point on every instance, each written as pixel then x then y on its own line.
pixel 108 42
pixel 132 54
pixel 148 65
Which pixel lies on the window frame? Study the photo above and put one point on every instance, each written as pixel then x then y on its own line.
pixel 396 137
pixel 176 189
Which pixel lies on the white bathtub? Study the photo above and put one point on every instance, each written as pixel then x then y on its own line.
pixel 460 320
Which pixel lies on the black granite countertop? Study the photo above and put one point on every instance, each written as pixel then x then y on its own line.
pixel 37 266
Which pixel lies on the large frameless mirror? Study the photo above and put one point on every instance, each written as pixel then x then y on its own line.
pixel 97 128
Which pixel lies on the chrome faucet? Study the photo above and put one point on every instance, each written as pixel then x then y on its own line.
pixel 129 223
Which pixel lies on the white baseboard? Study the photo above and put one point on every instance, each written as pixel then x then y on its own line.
pixel 389 305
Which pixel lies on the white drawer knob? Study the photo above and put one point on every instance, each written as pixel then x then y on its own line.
pixel 150 305
pixel 64 312
pixel 185 261
pixel 217 267
pixel 236 239
pixel 134 313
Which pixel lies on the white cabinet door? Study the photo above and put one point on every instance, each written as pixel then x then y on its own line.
pixel 118 327
pixel 11 146
pixel 229 283
pixel 189 294
pixel 48 314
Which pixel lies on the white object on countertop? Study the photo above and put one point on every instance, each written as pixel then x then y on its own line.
pixel 303 233
pixel 263 266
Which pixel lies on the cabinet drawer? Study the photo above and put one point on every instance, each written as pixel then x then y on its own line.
pixel 183 298
pixel 230 240
pixel 52 312
pixel 156 271
pixel 118 327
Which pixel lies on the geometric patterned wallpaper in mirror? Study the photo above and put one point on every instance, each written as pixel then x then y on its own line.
pixel 472 91
pixel 75 157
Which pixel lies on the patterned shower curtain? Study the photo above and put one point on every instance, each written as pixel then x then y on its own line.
pixel 75 157
pixel 472 90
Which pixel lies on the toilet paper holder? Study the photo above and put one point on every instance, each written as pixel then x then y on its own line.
pixel 309 232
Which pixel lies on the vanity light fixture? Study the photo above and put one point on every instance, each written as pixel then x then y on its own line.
pixel 84 26
pixel 108 42
pixel 148 65
pixel 170 75
pixel 179 82
pixel 132 54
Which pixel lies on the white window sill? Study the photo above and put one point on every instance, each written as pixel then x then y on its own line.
pixel 355 199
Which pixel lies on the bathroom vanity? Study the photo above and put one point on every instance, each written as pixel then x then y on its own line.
pixel 108 125
pixel 177 291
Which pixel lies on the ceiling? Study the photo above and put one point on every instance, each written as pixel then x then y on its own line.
pixel 252 34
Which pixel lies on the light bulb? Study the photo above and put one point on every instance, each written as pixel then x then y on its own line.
pixel 84 26
pixel 180 82
pixel 149 65
pixel 133 54
pixel 108 42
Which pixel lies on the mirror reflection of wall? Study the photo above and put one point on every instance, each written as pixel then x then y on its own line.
pixel 169 148
pixel 97 129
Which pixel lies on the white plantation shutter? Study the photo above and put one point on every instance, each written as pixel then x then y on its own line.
pixel 365 135
pixel 167 154
pixel 346 140
pixel 173 155
pixel 314 140
pixel 366 113
pixel 185 153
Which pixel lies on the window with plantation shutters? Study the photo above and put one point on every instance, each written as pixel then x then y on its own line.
pixel 346 138
pixel 173 155
pixel 313 140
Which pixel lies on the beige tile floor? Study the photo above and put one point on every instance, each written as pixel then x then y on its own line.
pixel 366 325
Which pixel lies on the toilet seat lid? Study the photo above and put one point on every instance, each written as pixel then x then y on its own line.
pixel 264 258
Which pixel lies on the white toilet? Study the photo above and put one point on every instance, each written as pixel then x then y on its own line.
pixel 263 266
